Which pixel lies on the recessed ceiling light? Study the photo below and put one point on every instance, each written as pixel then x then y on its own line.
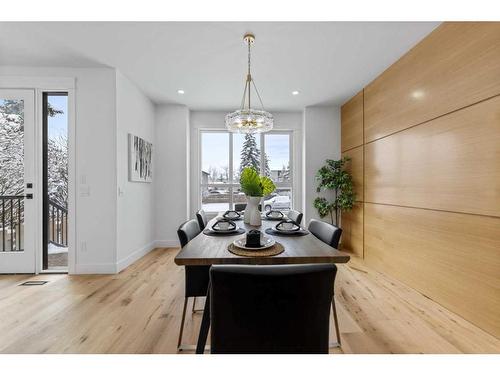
pixel 295 92
pixel 180 92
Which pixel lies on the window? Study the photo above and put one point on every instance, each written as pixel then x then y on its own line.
pixel 223 157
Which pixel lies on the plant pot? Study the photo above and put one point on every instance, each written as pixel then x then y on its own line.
pixel 252 213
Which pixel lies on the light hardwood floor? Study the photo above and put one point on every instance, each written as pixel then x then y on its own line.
pixel 138 311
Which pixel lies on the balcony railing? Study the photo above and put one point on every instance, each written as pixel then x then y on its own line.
pixel 12 223
pixel 58 224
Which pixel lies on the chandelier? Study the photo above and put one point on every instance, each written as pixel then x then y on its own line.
pixel 246 119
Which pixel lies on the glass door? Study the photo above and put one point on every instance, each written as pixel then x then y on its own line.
pixel 17 178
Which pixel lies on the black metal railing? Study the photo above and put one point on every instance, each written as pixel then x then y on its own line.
pixel 11 222
pixel 58 224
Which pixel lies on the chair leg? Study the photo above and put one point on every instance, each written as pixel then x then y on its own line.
pixel 182 323
pixel 336 321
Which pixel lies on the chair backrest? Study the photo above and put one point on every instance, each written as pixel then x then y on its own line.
pixel 328 233
pixel 187 231
pixel 295 216
pixel 242 206
pixel 270 309
pixel 202 219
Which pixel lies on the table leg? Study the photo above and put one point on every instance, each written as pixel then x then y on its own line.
pixel 205 325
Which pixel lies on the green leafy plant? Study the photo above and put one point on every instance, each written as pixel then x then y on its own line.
pixel 254 185
pixel 333 176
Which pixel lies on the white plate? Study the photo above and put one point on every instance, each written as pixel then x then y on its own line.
pixel 266 243
pixel 286 230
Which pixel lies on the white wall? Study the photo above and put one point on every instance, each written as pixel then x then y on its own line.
pixel 95 154
pixel 171 179
pixel 135 114
pixel 215 120
pixel 321 141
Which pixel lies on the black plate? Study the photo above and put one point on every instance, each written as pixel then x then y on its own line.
pixel 300 232
pixel 210 232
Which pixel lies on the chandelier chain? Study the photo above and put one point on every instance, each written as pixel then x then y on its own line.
pixel 258 95
pixel 246 119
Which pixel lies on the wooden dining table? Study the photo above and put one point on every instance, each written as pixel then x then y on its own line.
pixel 204 250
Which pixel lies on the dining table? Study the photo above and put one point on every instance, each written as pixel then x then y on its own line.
pixel 206 250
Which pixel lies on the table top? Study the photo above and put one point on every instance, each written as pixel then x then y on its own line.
pixel 208 250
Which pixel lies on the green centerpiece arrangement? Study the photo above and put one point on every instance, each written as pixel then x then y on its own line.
pixel 255 187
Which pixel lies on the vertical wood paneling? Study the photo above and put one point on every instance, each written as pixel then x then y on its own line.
pixel 451 258
pixel 355 168
pixel 351 115
pixel 457 65
pixel 352 230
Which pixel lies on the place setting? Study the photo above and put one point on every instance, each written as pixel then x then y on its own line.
pixel 223 227
pixel 273 215
pixel 286 227
pixel 255 244
pixel 232 215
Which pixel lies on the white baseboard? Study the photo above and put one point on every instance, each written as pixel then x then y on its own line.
pixel 112 268
pixel 90 269
pixel 136 255
pixel 166 243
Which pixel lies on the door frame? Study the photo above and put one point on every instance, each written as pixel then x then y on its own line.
pixel 24 261
pixel 41 85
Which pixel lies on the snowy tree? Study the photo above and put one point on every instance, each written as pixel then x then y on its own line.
pixel 12 154
pixel 57 164
pixel 267 170
pixel 213 173
pixel 11 147
pixel 250 154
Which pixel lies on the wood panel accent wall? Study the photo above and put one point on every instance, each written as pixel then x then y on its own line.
pixel 430 164
pixel 451 163
pixel 455 66
pixel 351 115
pixel 355 168
pixel 352 146
pixel 451 258
pixel 352 230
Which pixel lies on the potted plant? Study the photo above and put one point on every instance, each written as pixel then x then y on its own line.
pixel 255 187
pixel 333 176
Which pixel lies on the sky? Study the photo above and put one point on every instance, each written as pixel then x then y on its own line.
pixel 216 149
pixel 58 125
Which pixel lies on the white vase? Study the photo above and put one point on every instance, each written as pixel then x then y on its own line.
pixel 252 213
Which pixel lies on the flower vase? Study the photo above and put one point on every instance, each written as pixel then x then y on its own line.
pixel 252 213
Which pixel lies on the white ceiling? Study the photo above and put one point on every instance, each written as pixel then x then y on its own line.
pixel 327 62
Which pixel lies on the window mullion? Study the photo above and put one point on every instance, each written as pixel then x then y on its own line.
pixel 231 197
pixel 262 154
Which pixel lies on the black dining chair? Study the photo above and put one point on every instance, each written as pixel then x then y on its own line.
pixel 242 206
pixel 328 233
pixel 295 216
pixel 270 309
pixel 201 216
pixel 196 277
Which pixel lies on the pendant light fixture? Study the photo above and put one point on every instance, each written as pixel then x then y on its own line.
pixel 246 119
